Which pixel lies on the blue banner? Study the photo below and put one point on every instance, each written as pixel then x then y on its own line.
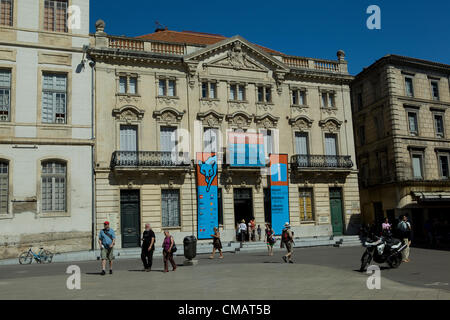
pixel 207 205
pixel 279 191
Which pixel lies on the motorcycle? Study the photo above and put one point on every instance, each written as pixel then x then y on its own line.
pixel 381 250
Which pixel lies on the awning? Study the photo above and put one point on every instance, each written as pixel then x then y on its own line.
pixel 431 196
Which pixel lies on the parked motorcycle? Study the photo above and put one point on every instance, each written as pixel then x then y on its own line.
pixel 381 250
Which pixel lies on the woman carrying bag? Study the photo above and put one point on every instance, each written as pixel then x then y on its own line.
pixel 169 248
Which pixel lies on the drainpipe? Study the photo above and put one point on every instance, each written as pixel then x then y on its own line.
pixel 92 65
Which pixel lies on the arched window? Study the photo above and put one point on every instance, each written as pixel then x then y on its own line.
pixel 54 192
pixel 4 186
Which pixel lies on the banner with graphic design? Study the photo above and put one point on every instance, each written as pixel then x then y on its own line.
pixel 245 149
pixel 279 191
pixel 207 205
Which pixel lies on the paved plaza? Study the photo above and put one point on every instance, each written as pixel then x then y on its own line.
pixel 319 273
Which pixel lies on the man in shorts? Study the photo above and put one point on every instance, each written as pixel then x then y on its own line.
pixel 106 241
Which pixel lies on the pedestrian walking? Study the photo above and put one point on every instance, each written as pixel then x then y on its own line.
pixel 168 249
pixel 405 230
pixel 106 241
pixel 249 231
pixel 270 238
pixel 217 244
pixel 253 224
pixel 259 232
pixel 386 226
pixel 148 247
pixel 242 230
pixel 287 238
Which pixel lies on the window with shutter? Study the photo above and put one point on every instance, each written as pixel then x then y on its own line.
pixel 54 93
pixel 53 186
pixel 5 94
pixel 306 204
pixel 170 207
pixel 4 187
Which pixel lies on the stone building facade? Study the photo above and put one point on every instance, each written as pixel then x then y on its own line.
pixel 46 141
pixel 171 90
pixel 402 139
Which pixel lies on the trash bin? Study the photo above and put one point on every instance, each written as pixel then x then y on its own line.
pixel 190 247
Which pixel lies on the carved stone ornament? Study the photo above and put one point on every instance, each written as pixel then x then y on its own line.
pixel 266 121
pixel 100 26
pixel 238 105
pixel 128 99
pixel 168 116
pixel 264 106
pixel 237 58
pixel 331 125
pixel 301 123
pixel 192 70
pixel 210 118
pixel 128 113
pixel 279 78
pixel 239 119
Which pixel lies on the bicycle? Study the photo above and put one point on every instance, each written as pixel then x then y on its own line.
pixel 44 256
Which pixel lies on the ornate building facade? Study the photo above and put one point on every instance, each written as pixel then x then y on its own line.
pixel 163 97
pixel 46 141
pixel 402 140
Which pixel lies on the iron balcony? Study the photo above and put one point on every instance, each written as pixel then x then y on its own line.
pixel 149 159
pixel 300 161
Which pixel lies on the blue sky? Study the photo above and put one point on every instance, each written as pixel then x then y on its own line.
pixel 316 29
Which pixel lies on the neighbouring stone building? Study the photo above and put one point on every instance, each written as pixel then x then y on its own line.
pixel 46 142
pixel 402 129
pixel 182 91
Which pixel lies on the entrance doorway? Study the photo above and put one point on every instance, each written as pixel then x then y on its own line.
pixel 130 218
pixel 336 211
pixel 243 204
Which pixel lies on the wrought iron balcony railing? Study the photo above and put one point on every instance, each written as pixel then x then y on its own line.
pixel 320 161
pixel 150 159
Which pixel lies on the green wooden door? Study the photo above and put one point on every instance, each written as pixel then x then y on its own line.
pixel 129 218
pixel 336 211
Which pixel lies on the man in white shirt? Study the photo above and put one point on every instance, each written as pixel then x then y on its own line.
pixel 242 230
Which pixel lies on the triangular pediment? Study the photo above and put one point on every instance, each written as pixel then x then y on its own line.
pixel 236 53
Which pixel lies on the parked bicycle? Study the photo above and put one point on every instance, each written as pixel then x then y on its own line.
pixel 43 256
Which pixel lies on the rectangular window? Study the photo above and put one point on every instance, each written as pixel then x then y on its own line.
pixel 306 204
pixel 122 84
pixel 435 90
pixel 412 123
pixel 211 140
pixel 55 15
pixel 439 125
pixel 443 166
pixel 260 94
pixel 170 208
pixel 331 101
pixel 128 138
pixel 264 94
pixel 233 92
pixel 409 87
pixel 302 148
pixel 295 97
pixel 209 90
pixel 241 93
pixel 268 142
pixel 53 186
pixel 133 85
pixel 4 187
pixel 324 100
pixel 362 135
pixel 171 88
pixel 417 166
pixel 205 90
pixel 162 87
pixel 360 102
pixel 54 98
pixel 168 139
pixel 213 90
pixel 331 150
pixel 5 94
pixel 6 12
pixel 302 98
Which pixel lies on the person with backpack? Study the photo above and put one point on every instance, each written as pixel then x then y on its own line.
pixel 270 238
pixel 169 248
pixel 106 241
pixel 287 239
pixel 405 230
